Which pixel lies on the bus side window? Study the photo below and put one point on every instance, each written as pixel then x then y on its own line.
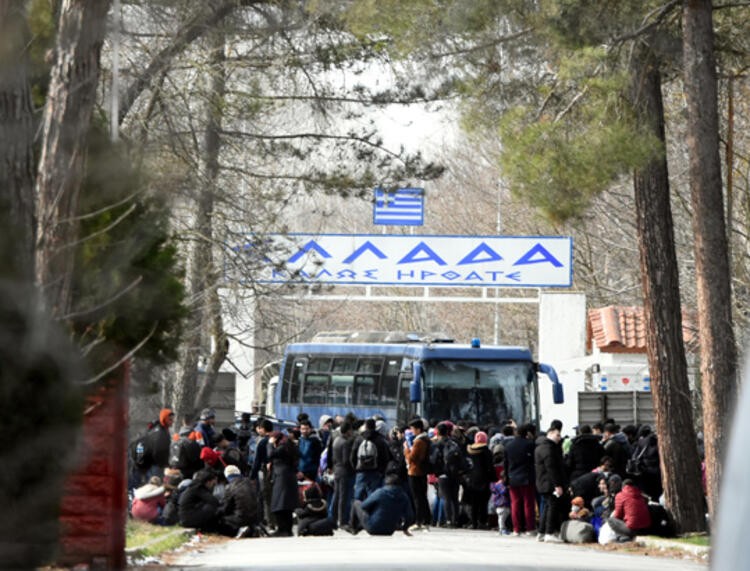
pixel 295 384
pixel 389 383
pixel 315 389
pixel 341 388
pixel 364 390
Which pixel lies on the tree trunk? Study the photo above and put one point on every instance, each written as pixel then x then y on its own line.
pixel 204 298
pixel 714 289
pixel 16 146
pixel 67 114
pixel 680 464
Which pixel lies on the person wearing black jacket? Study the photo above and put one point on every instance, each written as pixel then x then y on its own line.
pixel 478 479
pixel 646 454
pixel 550 483
pixel 518 470
pixel 283 456
pixel 585 453
pixel 239 509
pixel 259 472
pixel 614 449
pixel 198 507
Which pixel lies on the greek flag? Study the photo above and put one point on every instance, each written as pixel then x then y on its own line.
pixel 400 207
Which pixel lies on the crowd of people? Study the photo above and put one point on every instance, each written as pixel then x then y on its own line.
pixel 359 474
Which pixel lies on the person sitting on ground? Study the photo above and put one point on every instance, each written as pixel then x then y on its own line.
pixel 384 511
pixel 239 508
pixel 149 501
pixel 171 513
pixel 578 509
pixel 199 508
pixel 312 518
pixel 631 514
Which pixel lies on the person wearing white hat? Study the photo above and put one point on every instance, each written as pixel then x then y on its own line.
pixel 239 509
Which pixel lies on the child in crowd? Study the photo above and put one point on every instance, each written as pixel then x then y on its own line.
pixel 578 509
pixel 501 502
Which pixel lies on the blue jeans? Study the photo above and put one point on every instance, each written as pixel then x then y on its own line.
pixel 365 483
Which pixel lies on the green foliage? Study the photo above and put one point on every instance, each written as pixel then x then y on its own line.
pixel 559 161
pixel 128 286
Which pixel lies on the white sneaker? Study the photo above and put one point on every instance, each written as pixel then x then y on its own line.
pixel 540 537
pixel 516 534
pixel 529 534
pixel 550 538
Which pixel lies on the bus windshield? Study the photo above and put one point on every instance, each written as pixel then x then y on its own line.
pixel 482 391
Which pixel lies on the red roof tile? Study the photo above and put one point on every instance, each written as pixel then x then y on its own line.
pixel 622 329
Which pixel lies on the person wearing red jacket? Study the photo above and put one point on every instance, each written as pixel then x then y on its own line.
pixel 631 514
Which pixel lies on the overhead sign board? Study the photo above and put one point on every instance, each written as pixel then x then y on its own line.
pixel 399 207
pixel 445 261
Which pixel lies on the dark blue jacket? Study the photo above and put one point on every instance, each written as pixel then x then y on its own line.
pixel 518 461
pixel 389 509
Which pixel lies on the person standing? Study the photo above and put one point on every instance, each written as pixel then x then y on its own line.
pixel 310 449
pixel 453 464
pixel 519 474
pixel 343 473
pixel 259 470
pixel 478 479
pixel 283 456
pixel 550 483
pixel 160 440
pixel 417 456
pixel 585 453
pixel 370 456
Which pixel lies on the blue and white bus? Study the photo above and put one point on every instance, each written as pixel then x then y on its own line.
pixel 398 376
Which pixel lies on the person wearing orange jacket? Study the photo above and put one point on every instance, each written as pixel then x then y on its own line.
pixel 417 456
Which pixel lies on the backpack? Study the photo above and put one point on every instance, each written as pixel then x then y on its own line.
pixel 367 455
pixel 435 459
pixel 179 454
pixel 141 452
pixel 453 459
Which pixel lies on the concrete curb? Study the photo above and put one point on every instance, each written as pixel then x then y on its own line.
pixel 659 542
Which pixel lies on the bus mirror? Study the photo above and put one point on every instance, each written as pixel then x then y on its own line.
pixel 557 393
pixel 558 396
pixel 415 387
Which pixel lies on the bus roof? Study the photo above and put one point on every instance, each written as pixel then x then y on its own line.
pixel 420 351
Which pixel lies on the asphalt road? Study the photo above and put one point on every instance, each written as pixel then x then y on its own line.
pixel 436 550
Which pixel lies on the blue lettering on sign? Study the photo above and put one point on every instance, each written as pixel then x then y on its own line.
pixel 349 274
pixel 429 255
pixel 401 275
pixel 473 256
pixel 323 273
pixel 362 249
pixel 371 274
pixel 426 275
pixel 538 250
pixel 516 276
pixel 311 245
pixel 473 276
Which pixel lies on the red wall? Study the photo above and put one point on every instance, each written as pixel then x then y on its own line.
pixel 94 505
